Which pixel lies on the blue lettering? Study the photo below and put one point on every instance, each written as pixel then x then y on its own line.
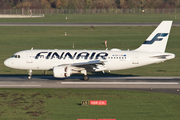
pixel 39 55
pixel 102 55
pixel 61 55
pixel 55 54
pixel 83 54
pixel 49 54
pixel 92 55
pixel 69 55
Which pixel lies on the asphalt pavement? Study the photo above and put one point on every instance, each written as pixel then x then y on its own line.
pixel 153 84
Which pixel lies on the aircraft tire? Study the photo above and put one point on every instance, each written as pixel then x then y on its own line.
pixel 85 77
pixel 29 77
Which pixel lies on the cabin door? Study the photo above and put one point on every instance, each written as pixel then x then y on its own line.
pixel 29 57
pixel 135 58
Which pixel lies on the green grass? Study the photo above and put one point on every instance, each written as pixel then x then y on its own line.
pixel 96 18
pixel 64 104
pixel 14 39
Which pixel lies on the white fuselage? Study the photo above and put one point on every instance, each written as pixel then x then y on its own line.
pixel 113 59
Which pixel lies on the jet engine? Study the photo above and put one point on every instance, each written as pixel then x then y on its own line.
pixel 62 72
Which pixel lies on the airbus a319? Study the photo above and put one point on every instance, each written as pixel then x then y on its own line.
pixel 64 63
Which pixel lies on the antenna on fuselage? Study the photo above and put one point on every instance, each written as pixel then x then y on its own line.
pixel 32 48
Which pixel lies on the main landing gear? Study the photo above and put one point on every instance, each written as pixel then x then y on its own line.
pixel 30 74
pixel 85 76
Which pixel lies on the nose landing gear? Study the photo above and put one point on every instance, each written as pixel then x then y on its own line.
pixel 30 74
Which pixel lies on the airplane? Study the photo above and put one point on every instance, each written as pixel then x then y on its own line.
pixel 64 63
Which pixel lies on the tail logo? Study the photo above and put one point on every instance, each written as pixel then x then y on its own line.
pixel 156 38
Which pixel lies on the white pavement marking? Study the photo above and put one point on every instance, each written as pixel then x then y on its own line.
pixel 122 83
pixel 20 85
pixel 20 16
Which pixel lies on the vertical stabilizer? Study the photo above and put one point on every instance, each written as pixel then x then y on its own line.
pixel 157 41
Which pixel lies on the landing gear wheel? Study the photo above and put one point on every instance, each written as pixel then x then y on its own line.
pixel 85 77
pixel 30 74
pixel 29 77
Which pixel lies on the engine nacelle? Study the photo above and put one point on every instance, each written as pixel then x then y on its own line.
pixel 62 72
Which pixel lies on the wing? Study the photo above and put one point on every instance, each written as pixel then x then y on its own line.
pixel 90 66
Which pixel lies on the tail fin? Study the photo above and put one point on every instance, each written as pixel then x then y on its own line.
pixel 157 41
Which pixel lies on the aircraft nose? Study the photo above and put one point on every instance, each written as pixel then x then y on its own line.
pixel 7 62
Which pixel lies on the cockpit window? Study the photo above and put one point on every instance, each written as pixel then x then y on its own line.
pixel 16 56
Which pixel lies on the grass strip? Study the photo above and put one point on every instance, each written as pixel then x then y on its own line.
pixel 65 104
